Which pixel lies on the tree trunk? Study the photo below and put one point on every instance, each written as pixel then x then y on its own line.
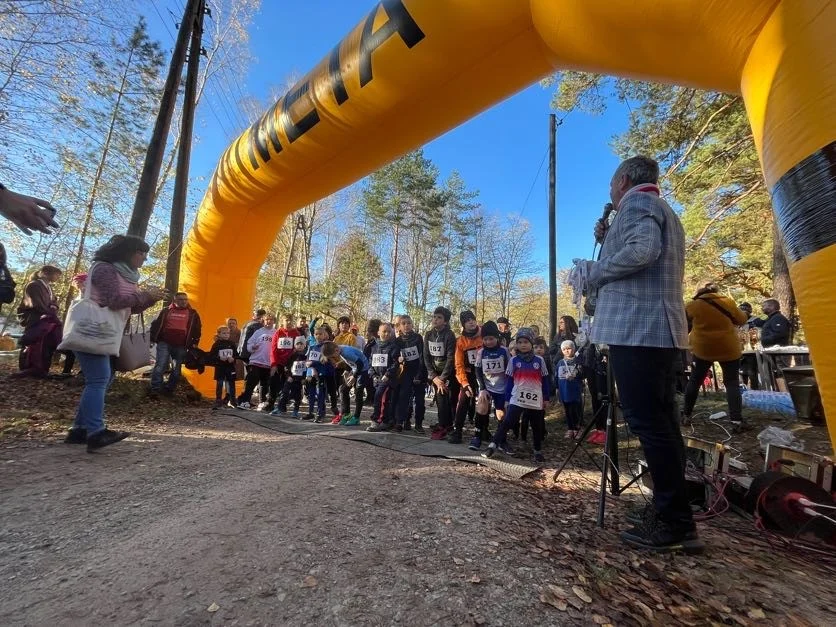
pixel 781 285
pixel 94 188
pixel 394 271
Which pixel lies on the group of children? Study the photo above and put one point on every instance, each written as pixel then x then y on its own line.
pixel 482 368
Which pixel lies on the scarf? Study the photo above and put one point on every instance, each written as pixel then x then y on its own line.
pixel 129 274
pixel 648 188
pixel 471 333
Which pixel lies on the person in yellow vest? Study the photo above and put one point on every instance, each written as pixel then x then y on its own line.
pixel 713 320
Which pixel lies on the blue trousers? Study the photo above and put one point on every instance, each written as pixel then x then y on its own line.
pixel 166 352
pixel 97 378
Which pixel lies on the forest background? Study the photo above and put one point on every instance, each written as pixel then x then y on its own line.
pixel 79 88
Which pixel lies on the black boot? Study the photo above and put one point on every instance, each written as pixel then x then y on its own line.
pixel 76 435
pixel 104 438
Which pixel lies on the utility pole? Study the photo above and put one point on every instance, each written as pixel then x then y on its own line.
pixel 552 228
pixel 144 202
pixel 181 178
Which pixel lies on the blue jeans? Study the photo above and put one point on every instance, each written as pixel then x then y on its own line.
pixel 165 352
pixel 97 378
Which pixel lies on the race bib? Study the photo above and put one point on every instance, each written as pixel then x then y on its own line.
pixel 298 369
pixel 410 353
pixel 314 355
pixel 493 366
pixel 380 360
pixel 224 353
pixel 285 343
pixel 436 349
pixel 471 356
pixel 530 397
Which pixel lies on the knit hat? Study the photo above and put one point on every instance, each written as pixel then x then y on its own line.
pixel 525 333
pixel 443 311
pixel 465 316
pixel 299 340
pixel 490 329
pixel 567 344
pixel 502 320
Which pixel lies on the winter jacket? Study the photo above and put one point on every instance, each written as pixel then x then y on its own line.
pixel 345 339
pixel 490 368
pixel 440 353
pixel 467 349
pixel 570 388
pixel 260 347
pixel 412 350
pixel 775 330
pixel 384 361
pixel 282 347
pixel 162 326
pixel 297 365
pixel 221 349
pixel 714 320
pixel 354 359
pixel 246 333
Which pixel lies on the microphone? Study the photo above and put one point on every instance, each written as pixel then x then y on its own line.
pixel 602 224
pixel 608 209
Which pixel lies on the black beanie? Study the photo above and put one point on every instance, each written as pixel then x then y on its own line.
pixel 490 328
pixel 443 311
pixel 465 316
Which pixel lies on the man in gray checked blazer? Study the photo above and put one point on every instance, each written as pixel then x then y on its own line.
pixel 640 314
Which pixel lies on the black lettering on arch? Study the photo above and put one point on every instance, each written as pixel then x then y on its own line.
pixel 295 130
pixel 259 132
pixel 335 76
pixel 400 22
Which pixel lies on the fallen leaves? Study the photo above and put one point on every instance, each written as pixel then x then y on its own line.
pixel 309 582
pixel 213 608
pixel 581 594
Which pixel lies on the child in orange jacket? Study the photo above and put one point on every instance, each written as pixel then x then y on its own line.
pixel 467 348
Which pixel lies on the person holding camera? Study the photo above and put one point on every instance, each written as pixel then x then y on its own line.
pixel 641 316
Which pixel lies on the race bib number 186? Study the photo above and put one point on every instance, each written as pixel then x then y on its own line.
pixel 285 343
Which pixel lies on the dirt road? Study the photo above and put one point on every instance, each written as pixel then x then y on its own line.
pixel 226 523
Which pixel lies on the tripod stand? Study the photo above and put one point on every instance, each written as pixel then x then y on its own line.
pixel 609 465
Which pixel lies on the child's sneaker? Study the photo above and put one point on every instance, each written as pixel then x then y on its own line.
pixel 351 422
pixel 308 416
pixel 538 458
pixel 439 432
pixel 475 443
pixel 262 406
pixel 419 429
pixel 231 404
pixel 376 427
pixel 337 419
pixel 455 437
pixel 506 448
pixel 320 419
pixel 597 437
pixel 244 405
pixel 488 453
pixel 277 412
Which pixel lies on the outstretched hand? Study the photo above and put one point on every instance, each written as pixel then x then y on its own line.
pixel 27 212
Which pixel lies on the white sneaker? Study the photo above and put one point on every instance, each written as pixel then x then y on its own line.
pixel 262 406
pixel 244 405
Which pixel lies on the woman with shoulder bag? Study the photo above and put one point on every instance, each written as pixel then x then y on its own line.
pixel 713 320
pixel 112 282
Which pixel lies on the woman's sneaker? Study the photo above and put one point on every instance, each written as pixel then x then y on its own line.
pixel 103 438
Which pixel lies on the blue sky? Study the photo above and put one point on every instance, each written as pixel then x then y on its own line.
pixel 498 152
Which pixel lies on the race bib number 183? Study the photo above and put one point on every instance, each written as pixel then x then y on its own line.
pixel 380 360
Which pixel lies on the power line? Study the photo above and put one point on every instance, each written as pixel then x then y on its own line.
pixel 162 19
pixel 534 182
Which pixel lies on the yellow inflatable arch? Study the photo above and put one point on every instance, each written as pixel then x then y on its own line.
pixel 413 69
